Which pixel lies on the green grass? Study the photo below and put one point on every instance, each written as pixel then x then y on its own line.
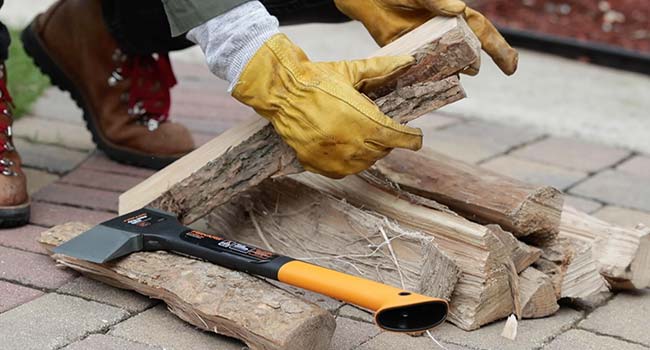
pixel 26 83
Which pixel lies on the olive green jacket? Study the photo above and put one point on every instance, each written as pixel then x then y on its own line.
pixel 184 15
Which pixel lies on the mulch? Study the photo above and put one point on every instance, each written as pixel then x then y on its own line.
pixel 622 23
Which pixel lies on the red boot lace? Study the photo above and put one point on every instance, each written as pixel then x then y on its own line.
pixel 151 77
pixel 6 105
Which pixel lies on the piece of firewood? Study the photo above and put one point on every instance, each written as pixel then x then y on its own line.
pixel 622 254
pixel 487 289
pixel 522 254
pixel 243 157
pixel 292 219
pixel 572 269
pixel 537 294
pixel 210 297
pixel 476 193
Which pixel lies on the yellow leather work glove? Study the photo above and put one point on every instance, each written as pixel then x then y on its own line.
pixel 387 20
pixel 316 108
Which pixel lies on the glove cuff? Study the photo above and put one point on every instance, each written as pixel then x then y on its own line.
pixel 231 39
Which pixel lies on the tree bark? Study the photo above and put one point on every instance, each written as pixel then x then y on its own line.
pixel 210 297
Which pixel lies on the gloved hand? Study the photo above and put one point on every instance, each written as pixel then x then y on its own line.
pixel 387 20
pixel 316 108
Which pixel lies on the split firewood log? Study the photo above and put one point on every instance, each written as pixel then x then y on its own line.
pixel 487 289
pixel 537 294
pixel 243 157
pixel 209 297
pixel 622 254
pixel 476 193
pixel 572 268
pixel 293 219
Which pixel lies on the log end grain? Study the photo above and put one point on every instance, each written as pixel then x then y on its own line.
pixel 539 215
pixel 537 294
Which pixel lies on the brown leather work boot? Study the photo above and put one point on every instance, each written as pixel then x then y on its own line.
pixel 125 98
pixel 14 201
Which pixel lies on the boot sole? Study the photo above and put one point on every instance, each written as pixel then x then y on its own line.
pixel 35 48
pixel 15 216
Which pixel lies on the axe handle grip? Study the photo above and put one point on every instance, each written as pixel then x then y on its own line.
pixel 395 309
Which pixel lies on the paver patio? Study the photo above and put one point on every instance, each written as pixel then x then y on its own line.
pixel 45 307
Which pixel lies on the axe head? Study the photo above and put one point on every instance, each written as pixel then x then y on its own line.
pixel 122 236
pixel 101 244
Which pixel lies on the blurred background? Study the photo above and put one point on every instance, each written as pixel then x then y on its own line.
pixel 562 96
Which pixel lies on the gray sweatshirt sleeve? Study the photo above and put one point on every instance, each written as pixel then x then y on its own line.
pixel 184 15
pixel 230 40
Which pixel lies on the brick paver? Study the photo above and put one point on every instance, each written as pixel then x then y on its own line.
pixel 12 295
pixel 24 238
pixel 100 180
pixel 54 159
pixel 434 121
pixel 572 154
pixel 54 132
pixel 395 341
pixel 101 292
pixel 356 314
pixel 637 165
pixel 583 204
pixel 477 141
pixel 78 196
pixel 55 104
pixel 53 321
pixel 534 173
pixel 105 342
pixel 32 269
pixel 48 215
pixel 576 339
pixel 622 216
pixel 618 188
pixel 531 334
pixel 159 327
pixel 349 333
pixel 200 138
pixel 37 179
pixel 625 317
pixel 99 162
pixel 215 117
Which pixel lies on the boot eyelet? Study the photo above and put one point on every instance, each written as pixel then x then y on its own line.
pixel 115 78
pixel 152 124
pixel 6 162
pixel 137 109
pixel 9 172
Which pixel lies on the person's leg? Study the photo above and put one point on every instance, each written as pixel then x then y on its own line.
pixel 14 202
pixel 5 40
pixel 304 11
pixel 125 97
pixel 141 27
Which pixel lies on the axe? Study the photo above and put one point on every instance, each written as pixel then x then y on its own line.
pixel 149 229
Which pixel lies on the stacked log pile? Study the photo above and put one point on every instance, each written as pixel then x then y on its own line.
pixel 491 245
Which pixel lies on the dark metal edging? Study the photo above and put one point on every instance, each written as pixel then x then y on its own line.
pixel 601 54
